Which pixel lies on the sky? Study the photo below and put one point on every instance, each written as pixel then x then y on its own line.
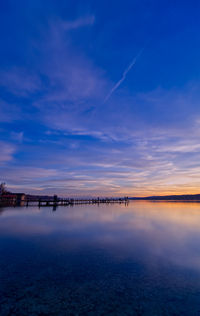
pixel 100 98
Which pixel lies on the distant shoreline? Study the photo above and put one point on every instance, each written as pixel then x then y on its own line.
pixel 182 197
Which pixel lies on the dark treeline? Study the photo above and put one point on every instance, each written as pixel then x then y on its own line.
pixel 184 197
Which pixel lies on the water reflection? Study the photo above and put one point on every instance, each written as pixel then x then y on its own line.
pixel 147 253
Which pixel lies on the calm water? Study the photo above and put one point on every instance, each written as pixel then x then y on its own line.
pixel 140 259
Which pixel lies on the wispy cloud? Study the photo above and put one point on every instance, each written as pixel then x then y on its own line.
pixel 19 81
pixel 80 22
pixel 17 136
pixel 7 151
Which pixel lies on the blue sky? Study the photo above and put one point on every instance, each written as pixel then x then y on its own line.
pixel 100 98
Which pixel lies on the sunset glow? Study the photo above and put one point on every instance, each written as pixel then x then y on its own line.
pixel 100 100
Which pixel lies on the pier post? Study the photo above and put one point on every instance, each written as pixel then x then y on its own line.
pixel 55 201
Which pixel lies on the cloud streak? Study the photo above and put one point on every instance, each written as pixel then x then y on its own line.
pixel 126 71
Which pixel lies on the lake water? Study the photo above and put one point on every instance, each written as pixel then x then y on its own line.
pixel 140 259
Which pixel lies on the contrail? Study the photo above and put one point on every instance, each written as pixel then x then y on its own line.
pixel 124 74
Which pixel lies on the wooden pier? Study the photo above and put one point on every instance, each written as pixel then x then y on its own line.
pixel 55 201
